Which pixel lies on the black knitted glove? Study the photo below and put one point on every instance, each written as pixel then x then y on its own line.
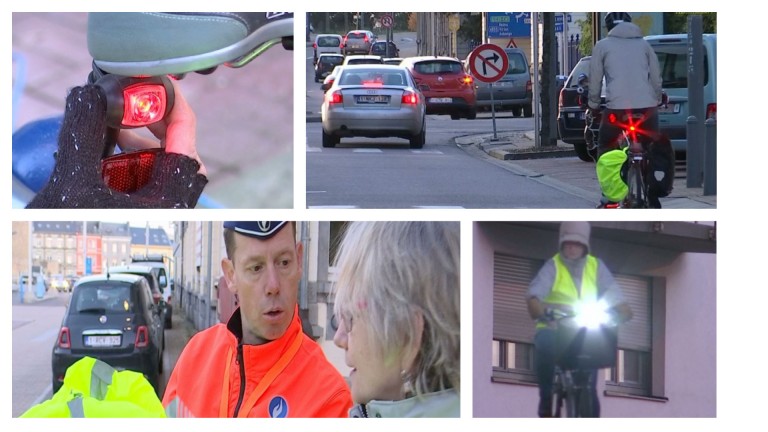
pixel 76 179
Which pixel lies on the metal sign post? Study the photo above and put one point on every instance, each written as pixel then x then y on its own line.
pixel 488 63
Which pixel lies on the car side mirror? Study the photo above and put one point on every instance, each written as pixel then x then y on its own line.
pixel 163 281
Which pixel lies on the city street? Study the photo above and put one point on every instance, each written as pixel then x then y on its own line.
pixel 36 325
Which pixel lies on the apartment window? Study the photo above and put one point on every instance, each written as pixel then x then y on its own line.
pixel 513 330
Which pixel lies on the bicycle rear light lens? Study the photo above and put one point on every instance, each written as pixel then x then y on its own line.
pixel 144 104
pixel 136 102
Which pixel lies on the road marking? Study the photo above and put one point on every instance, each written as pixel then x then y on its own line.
pixel 426 151
pixel 438 207
pixel 332 207
pixel 367 151
pixel 313 149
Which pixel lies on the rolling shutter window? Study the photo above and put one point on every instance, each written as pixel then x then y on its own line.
pixel 636 334
pixel 511 321
pixel 511 277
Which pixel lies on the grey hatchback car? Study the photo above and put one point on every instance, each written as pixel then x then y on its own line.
pixel 513 91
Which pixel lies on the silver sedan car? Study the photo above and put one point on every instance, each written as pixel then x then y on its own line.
pixel 373 101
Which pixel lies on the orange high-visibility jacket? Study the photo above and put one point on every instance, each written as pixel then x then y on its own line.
pixel 216 376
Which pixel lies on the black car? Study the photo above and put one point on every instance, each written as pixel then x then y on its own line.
pixel 570 113
pixel 111 317
pixel 379 48
pixel 325 64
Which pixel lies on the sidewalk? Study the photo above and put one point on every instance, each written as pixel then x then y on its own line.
pixel 559 167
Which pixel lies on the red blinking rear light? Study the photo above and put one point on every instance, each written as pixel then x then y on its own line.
pixel 612 118
pixel 314 45
pixel 142 337
pixel 409 98
pixel 712 111
pixel 64 339
pixel 144 104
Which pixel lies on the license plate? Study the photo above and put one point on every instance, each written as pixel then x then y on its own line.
pixel 441 100
pixel 671 108
pixel 372 99
pixel 102 341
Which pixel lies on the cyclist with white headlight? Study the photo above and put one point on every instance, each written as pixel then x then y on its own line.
pixel 571 278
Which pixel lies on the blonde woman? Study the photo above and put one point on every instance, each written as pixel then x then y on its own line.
pixel 397 308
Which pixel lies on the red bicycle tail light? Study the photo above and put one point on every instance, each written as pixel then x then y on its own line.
pixel 144 104
pixel 64 339
pixel 142 337
pixel 612 118
pixel 135 102
pixel 409 98
pixel 128 172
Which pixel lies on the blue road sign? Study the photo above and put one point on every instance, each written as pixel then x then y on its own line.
pixel 508 24
pixel 88 265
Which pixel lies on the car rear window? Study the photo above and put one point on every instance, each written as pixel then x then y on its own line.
pixel 102 298
pixel 437 67
pixel 363 61
pixel 328 41
pixel 373 76
pixel 582 67
pixel 356 36
pixel 673 62
pixel 516 64
pixel 331 60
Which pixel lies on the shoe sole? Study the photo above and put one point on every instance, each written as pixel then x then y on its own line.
pixel 235 55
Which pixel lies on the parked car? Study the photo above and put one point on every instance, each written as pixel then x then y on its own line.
pixel 148 273
pixel 326 44
pixel 325 64
pixel 358 42
pixel 379 48
pixel 373 101
pixel 158 268
pixel 672 52
pixel 111 317
pixel 362 59
pixel 570 113
pixel 448 89
pixel 513 91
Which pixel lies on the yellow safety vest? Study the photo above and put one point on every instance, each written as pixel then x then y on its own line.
pixel 564 290
pixel 93 388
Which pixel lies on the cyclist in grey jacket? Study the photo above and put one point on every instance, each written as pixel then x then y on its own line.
pixel 632 81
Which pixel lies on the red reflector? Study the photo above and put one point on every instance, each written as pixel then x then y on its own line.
pixel 128 172
pixel 144 104
pixel 142 337
pixel 64 340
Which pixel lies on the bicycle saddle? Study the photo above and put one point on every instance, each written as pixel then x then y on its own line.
pixel 153 43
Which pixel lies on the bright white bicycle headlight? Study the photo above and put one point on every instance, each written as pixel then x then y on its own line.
pixel 591 314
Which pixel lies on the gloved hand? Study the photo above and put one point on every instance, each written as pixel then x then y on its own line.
pixel 177 180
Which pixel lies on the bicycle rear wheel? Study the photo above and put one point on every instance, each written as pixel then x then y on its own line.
pixel 636 196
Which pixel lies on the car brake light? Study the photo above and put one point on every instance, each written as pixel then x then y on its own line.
pixel 142 337
pixel 467 80
pixel 559 99
pixel 409 98
pixel 336 97
pixel 528 86
pixel 64 339
pixel 712 111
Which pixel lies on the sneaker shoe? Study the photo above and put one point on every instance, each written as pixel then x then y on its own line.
pixel 149 44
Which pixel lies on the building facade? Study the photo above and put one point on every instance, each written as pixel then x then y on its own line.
pixel 666 357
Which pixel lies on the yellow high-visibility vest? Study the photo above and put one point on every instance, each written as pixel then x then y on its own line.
pixel 93 388
pixel 564 290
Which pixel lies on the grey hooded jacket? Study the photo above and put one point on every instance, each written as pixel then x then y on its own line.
pixel 630 67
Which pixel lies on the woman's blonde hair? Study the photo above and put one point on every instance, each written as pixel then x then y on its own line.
pixel 391 271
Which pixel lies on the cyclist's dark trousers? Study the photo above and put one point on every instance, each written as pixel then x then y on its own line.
pixel 544 343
